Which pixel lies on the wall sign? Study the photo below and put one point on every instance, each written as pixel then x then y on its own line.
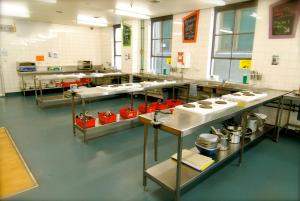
pixel 284 17
pixel 39 58
pixel 126 36
pixel 190 27
pixel 245 64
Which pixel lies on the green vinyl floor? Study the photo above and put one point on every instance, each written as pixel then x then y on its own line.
pixel 110 168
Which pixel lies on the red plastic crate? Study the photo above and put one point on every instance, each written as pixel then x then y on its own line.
pixel 106 120
pixel 127 113
pixel 67 84
pixel 173 102
pixel 160 106
pixel 85 81
pixel 150 108
pixel 89 123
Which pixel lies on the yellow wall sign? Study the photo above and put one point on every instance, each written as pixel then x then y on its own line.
pixel 245 64
pixel 168 61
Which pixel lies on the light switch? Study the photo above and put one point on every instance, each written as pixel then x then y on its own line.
pixel 275 60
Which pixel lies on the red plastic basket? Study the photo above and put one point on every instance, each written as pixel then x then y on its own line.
pixel 160 106
pixel 127 113
pixel 173 102
pixel 103 119
pixel 85 81
pixel 89 123
pixel 150 108
pixel 67 84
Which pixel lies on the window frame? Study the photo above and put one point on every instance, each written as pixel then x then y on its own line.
pixel 234 44
pixel 153 20
pixel 115 43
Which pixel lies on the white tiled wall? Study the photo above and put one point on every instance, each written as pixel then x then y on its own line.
pixel 71 43
pixel 286 75
pixel 199 51
pixel 132 65
pixel 107 45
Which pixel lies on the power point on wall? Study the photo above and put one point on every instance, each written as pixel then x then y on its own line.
pixel 275 60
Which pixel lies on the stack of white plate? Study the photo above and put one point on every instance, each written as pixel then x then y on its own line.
pixel 208 141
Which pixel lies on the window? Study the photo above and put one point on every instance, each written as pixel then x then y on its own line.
pixel 161 40
pixel 233 40
pixel 117 46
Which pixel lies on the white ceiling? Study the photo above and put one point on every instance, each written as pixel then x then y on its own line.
pixel 42 11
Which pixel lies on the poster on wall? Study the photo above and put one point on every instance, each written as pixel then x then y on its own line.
pixel 284 16
pixel 190 27
pixel 126 36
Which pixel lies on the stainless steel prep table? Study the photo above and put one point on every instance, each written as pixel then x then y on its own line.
pixel 291 98
pixel 174 176
pixel 112 127
pixel 54 100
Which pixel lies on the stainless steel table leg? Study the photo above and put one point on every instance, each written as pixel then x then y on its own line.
pixel 288 117
pixel 73 113
pixel 173 93
pixel 178 169
pixel 41 88
pixel 155 134
pixel 84 120
pixel 278 118
pixel 35 90
pixel 244 128
pixel 145 155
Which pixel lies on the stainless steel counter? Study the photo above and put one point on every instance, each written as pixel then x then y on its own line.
pixel 173 175
pixel 185 124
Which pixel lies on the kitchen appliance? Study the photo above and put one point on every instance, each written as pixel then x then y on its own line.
pixel 245 96
pixel 84 65
pixel 205 107
pixel 26 66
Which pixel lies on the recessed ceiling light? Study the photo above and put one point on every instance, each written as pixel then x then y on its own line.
pixel 14 10
pixel 93 21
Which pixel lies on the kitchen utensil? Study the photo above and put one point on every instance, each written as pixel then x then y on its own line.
pixel 224 143
pixel 235 137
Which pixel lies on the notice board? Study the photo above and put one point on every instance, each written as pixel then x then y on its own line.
pixel 190 27
pixel 126 35
pixel 284 17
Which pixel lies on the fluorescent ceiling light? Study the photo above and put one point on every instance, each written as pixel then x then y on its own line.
pixel 131 14
pixel 14 10
pixel 90 20
pixel 49 1
pixel 215 2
